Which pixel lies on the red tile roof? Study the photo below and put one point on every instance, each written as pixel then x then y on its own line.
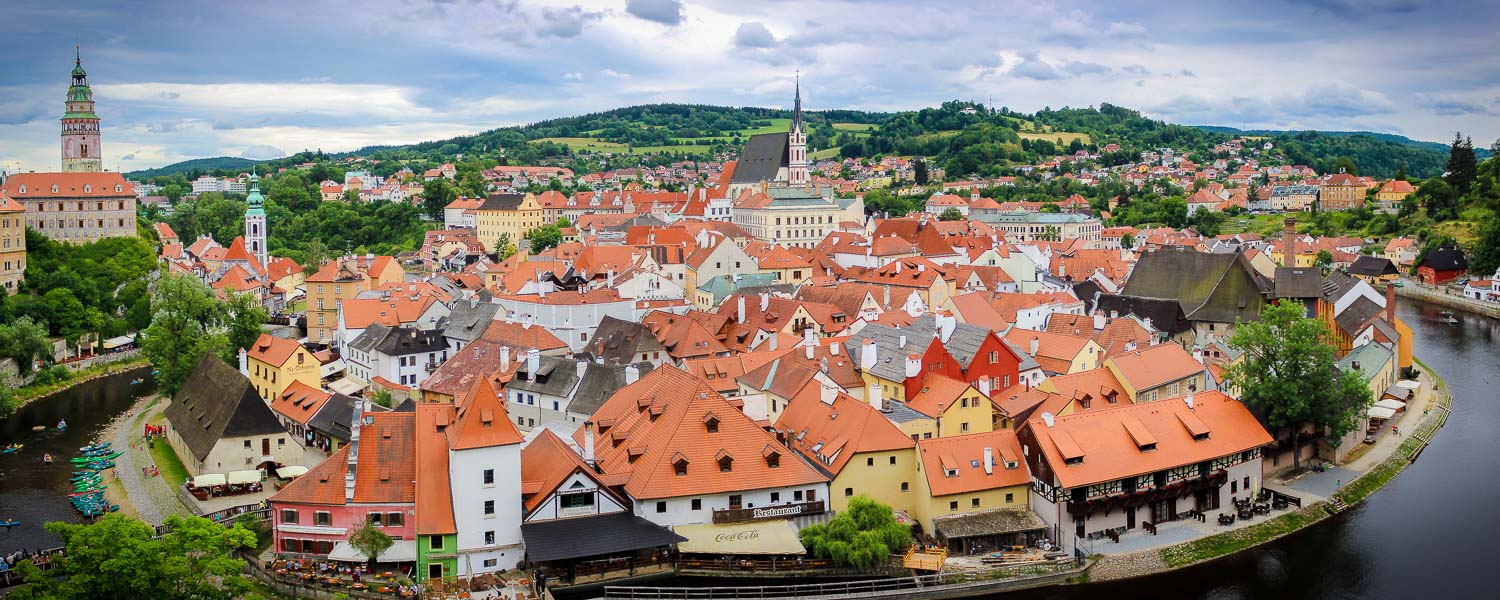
pixel 434 496
pixel 272 350
pixel 955 464
pixel 481 421
pixel 830 434
pixel 68 185
pixel 299 402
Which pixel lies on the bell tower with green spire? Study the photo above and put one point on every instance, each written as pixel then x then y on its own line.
pixel 80 126
pixel 255 223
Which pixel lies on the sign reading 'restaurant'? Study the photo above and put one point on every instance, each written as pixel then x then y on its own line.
pixel 780 511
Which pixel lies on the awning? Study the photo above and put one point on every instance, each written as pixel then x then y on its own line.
pixel 1410 384
pixel 593 536
pixel 1392 404
pixel 290 472
pixel 755 537
pixel 987 522
pixel 244 477
pixel 347 386
pixel 209 480
pixel 400 551
pixel 116 342
pixel 1380 412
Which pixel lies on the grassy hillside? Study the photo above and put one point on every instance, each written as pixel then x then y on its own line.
pixel 206 165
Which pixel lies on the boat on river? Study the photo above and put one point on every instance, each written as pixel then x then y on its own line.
pixel 9 523
pixel 11 449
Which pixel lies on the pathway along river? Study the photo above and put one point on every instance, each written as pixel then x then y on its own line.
pixel 1430 533
pixel 33 492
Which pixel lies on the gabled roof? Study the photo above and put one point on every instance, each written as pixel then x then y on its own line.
pixel 956 464
pixel 648 427
pixel 546 462
pixel 830 434
pixel 619 342
pixel 434 495
pixel 1149 367
pixel 1105 451
pixel 519 336
pixel 272 350
pixel 599 383
pixel 469 319
pixel 937 394
pixel 1210 287
pixel 1445 258
pixel 1372 266
pixel 481 420
pixel 300 402
pixel 1299 282
pixel 218 402
pixel 764 156
pixel 385 472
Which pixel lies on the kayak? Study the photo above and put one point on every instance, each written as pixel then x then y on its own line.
pixel 10 449
pixel 9 523
pixel 95 448
pixel 78 495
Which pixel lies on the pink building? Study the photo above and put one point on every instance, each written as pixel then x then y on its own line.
pixel 315 514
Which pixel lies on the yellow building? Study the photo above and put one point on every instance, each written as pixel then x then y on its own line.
pixel 340 280
pixel 12 244
pixel 1156 373
pixel 275 363
pixel 956 407
pixel 846 437
pixel 970 474
pixel 788 216
pixel 1392 193
pixel 512 215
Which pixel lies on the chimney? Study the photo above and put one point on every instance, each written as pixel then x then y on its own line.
pixel 946 323
pixel 901 343
pixel 1114 314
pixel 1099 320
pixel 1390 303
pixel 765 301
pixel 632 374
pixel 1355 364
pixel 1048 419
pixel 974 194
pixel 913 365
pixel 1036 345
pixel 742 309
pixel 828 393
pixel 873 394
pixel 474 301
pixel 533 362
pixel 583 366
pixel 984 385
pixel 833 348
pixel 1198 354
pixel 504 358
pixel 1130 346
pixel 867 355
pixel 588 442
pixel 1189 399
pixel 244 362
pixel 989 461
pixel 1289 242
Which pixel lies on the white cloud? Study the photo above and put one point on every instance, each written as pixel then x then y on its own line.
pixel 666 12
pixel 261 152
pixel 613 74
pixel 753 35
pixel 573 76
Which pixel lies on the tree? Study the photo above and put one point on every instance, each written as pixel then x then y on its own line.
pixel 919 171
pixel 504 247
pixel 1127 241
pixel 1289 378
pixel 25 341
pixel 1345 164
pixel 117 557
pixel 862 536
pixel 951 214
pixel 70 318
pixel 1486 256
pixel 1462 168
pixel 186 323
pixel 1050 234
pixel 1400 174
pixel 244 318
pixel 1323 260
pixel 436 195
pixel 370 541
pixel 1440 198
pixel 544 237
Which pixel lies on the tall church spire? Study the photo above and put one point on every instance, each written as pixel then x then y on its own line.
pixel 797 102
pixel 796 141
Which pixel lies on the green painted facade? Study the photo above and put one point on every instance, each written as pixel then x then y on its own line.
pixel 445 554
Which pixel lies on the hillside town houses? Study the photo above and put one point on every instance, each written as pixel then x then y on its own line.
pixel 757 349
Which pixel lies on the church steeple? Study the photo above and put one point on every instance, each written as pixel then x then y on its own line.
pixel 255 222
pixel 796 141
pixel 80 126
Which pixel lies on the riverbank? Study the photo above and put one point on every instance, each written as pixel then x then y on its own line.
pixel 1440 296
pixel 28 393
pixel 1219 546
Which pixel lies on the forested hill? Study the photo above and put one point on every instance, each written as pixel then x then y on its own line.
pixel 961 137
pixel 218 163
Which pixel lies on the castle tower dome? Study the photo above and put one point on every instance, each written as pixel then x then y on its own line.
pixel 81 147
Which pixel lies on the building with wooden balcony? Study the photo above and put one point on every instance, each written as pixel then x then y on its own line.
pixel 1100 473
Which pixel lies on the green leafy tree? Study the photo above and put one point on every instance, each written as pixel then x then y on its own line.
pixel 951 214
pixel 1050 234
pixel 1345 164
pixel 1323 260
pixel 186 323
pixel 117 557
pixel 919 171
pixel 436 195
pixel 314 253
pixel 1486 250
pixel 244 317
pixel 544 237
pixel 1289 378
pixel 25 342
pixel 1127 241
pixel 370 541
pixel 863 536
pixel 504 247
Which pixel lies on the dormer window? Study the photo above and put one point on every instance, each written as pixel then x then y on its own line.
pixel 88 189
pixel 119 188
pixel 1200 436
pixel 1077 460
pixel 679 464
pixel 726 462
pixel 950 472
pixel 54 188
pixel 711 423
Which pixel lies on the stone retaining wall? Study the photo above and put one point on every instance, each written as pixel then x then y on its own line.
pixel 1441 297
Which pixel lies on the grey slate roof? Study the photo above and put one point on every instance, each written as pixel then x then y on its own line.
pixel 617 342
pixel 218 402
pixel 502 202
pixel 899 412
pixel 398 341
pixel 1221 288
pixel 554 376
pixel 1165 314
pixel 1357 315
pixel 1372 266
pixel 765 154
pixel 1336 284
pixel 1299 282
pixel 468 321
pixel 1446 258
pixel 333 419
pixel 890 362
pixel 598 384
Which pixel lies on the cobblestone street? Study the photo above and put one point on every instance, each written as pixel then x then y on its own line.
pixel 154 500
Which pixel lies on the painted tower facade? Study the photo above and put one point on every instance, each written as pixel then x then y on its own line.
pixel 796 141
pixel 81 148
pixel 255 223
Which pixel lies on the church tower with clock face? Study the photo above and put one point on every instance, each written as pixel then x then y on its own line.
pixel 80 126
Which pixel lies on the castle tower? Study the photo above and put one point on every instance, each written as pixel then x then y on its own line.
pixel 80 126
pixel 796 141
pixel 255 223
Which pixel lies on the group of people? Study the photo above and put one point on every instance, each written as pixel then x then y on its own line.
pixel 39 558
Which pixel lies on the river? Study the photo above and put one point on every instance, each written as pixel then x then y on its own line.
pixel 1426 534
pixel 33 492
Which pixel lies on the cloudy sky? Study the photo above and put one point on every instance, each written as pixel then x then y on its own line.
pixel 260 79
